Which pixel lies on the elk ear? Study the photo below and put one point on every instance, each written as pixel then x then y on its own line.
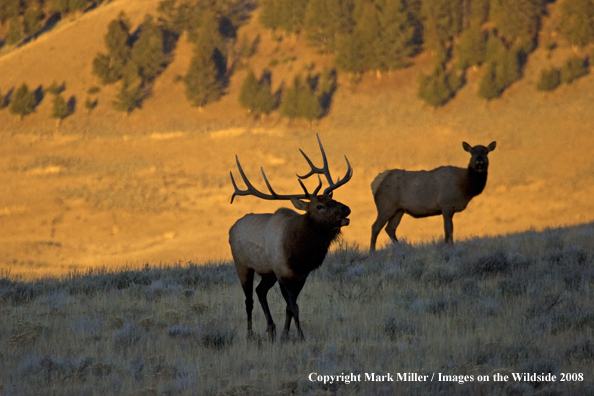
pixel 491 147
pixel 467 147
pixel 299 204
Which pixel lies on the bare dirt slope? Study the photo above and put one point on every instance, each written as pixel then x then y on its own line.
pixel 111 190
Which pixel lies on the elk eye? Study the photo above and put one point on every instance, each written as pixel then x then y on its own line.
pixel 320 207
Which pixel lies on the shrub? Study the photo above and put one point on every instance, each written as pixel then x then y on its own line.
pixel 549 79
pixel 439 87
pixel 574 68
pixel 257 95
pixel 23 101
pixel 494 263
pixel 55 88
pixel 60 109
pixel 397 327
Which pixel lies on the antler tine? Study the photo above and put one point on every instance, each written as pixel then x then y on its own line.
pixel 325 170
pixel 348 175
pixel 251 190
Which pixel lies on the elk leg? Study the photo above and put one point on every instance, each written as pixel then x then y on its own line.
pixel 290 290
pixel 247 283
pixel 265 284
pixel 393 224
pixel 383 215
pixel 448 226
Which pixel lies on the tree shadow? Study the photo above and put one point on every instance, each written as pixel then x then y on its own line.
pixel 71 105
pixel 5 99
pixel 39 95
pixel 49 24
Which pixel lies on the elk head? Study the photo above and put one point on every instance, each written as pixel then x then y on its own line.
pixel 326 211
pixel 479 160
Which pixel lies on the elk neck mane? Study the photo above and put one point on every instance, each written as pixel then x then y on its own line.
pixel 307 243
pixel 474 183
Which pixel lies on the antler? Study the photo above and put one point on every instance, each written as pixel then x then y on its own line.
pixel 251 190
pixel 325 170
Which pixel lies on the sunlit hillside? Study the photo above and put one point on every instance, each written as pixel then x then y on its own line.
pixel 153 186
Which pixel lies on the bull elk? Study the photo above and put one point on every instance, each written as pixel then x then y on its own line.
pixel 285 246
pixel 442 191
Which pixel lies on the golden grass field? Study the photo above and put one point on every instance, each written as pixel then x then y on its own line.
pixel 106 189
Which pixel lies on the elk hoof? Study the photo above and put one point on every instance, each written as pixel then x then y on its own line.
pixel 271 332
pixel 285 337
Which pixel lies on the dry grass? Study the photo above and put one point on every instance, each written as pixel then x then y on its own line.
pixel 521 303
pixel 153 187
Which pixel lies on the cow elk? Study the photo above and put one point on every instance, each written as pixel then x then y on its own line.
pixel 442 191
pixel 285 246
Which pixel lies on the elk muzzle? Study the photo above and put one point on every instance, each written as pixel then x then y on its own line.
pixel 344 220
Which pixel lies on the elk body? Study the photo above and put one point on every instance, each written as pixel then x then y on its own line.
pixel 285 246
pixel 442 191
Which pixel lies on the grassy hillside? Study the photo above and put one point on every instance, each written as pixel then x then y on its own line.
pixel 515 304
pixel 153 186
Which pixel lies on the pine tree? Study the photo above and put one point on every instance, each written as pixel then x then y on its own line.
pixel 55 88
pixel 290 99
pixel 266 101
pixel 308 105
pixel 439 87
pixel 397 33
pixel 103 70
pixel 494 48
pixel 130 96
pixel 327 87
pixel 60 109
pixel 10 9
pixel 5 12
pixel 33 18
pixel 168 16
pixel 23 102
pixel 202 81
pixel 326 21
pixel 77 5
pixel 508 68
pixel 248 93
pixel 205 78
pixel 368 31
pixel 147 52
pixel 351 49
pixel 577 21
pixel 270 14
pixel 442 21
pixel 478 12
pixel 517 18
pixel 471 49
pixel 15 31
pixel 319 25
pixel 109 68
pixel 489 87
pixel 60 6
